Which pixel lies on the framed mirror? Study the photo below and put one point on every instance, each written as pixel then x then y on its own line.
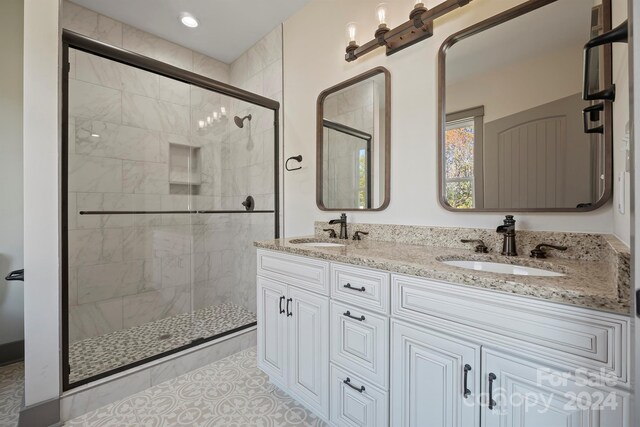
pixel 352 143
pixel 513 135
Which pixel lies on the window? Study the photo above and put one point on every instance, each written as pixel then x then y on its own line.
pixel 363 179
pixel 463 141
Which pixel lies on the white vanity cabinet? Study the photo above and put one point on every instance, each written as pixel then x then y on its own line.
pixel 293 328
pixel 524 395
pixel 527 359
pixel 369 348
pixel 435 378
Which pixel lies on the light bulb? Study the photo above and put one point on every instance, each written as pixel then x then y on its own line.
pixel 417 2
pixel 352 30
pixel 201 124
pixel 223 111
pixel 216 116
pixel 209 119
pixel 381 11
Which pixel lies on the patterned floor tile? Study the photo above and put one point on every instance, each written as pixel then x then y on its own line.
pixel 103 353
pixel 228 393
pixel 11 393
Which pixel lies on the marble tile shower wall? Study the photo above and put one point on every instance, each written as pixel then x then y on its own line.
pixel 258 70
pixel 127 270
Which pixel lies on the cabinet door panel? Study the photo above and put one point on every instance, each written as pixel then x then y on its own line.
pixel 427 379
pixel 352 406
pixel 526 394
pixel 360 345
pixel 309 349
pixel 272 330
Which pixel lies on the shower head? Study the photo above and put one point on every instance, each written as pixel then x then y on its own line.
pixel 240 121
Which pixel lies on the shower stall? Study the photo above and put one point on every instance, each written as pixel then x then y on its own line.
pixel 167 179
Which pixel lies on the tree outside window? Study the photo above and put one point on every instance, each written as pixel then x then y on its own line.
pixel 458 163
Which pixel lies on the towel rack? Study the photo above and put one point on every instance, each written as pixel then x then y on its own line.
pixel 297 158
pixel 16 275
pixel 617 35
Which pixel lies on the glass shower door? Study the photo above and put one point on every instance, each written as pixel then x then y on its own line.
pixel 167 186
pixel 130 239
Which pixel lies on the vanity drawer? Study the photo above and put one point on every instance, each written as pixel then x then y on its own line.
pixel 565 335
pixel 352 406
pixel 360 342
pixel 308 273
pixel 360 286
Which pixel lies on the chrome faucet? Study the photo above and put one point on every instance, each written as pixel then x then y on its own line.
pixel 343 225
pixel 509 232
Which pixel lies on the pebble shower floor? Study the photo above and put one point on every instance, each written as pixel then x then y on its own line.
pixel 103 353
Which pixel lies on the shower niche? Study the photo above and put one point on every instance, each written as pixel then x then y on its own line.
pixel 185 169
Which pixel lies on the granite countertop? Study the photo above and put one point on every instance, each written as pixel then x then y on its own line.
pixel 587 283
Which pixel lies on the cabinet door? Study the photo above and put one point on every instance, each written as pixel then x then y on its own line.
pixel 528 394
pixel 309 349
pixel 428 372
pixel 272 329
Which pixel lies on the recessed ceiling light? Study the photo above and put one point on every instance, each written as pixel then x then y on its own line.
pixel 189 20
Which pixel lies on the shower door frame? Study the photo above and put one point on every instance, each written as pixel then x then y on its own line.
pixel 73 40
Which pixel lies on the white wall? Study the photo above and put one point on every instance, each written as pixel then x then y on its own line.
pixel 314 45
pixel 41 132
pixel 552 77
pixel 11 293
pixel 621 222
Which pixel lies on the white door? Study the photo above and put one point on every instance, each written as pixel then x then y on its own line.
pixel 429 372
pixel 308 359
pixel 272 329
pixel 527 394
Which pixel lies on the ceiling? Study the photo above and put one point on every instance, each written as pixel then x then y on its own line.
pixel 227 27
pixel 552 28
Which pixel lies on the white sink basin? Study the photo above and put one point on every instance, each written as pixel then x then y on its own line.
pixel 320 244
pixel 496 267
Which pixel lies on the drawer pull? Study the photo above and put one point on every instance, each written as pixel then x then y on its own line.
pixel 289 313
pixel 467 392
pixel 348 286
pixel 348 314
pixel 280 304
pixel 492 403
pixel 348 382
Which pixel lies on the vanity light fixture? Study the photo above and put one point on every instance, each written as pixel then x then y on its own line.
pixel 381 12
pixel 188 20
pixel 417 28
pixel 352 43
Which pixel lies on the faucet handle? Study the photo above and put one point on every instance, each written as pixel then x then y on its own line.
pixel 332 232
pixel 480 247
pixel 539 252
pixel 356 235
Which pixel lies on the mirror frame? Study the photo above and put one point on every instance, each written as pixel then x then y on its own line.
pixel 498 19
pixel 387 135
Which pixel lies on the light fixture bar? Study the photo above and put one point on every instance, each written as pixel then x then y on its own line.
pixel 411 32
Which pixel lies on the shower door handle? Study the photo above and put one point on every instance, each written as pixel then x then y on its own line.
pixel 280 304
